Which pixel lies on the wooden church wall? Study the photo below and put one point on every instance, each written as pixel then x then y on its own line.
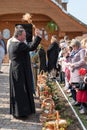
pixel 40 21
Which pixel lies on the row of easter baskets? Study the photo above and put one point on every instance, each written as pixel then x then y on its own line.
pixel 48 95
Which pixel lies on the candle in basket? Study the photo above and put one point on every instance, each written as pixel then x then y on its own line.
pixel 57 115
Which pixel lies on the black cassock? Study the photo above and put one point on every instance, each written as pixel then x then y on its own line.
pixel 21 95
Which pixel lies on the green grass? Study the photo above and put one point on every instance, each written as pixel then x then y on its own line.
pixel 83 117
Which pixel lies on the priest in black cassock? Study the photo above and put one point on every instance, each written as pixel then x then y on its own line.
pixel 21 95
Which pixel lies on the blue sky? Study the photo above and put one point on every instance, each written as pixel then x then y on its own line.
pixel 78 8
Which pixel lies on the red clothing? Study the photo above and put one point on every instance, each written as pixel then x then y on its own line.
pixel 67 73
pixel 81 96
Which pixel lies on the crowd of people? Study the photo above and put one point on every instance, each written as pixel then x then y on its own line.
pixel 72 59
pixel 63 60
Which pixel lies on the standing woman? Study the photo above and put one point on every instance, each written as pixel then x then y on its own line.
pixel 52 53
pixel 82 93
pixel 21 95
pixel 77 61
pixel 42 58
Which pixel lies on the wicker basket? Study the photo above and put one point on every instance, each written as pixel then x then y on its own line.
pixel 49 104
pixel 48 111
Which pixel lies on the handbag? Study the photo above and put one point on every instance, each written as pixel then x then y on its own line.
pixel 82 86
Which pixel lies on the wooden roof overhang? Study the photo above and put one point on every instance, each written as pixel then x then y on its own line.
pixel 65 22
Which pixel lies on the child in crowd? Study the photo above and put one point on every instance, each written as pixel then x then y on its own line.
pixel 82 91
pixel 64 61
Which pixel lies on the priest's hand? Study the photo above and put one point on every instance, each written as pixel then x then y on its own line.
pixel 37 33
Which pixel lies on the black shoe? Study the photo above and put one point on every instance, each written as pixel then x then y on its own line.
pixel 80 107
pixel 1 72
pixel 77 104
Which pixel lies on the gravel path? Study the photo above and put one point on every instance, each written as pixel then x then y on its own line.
pixel 7 122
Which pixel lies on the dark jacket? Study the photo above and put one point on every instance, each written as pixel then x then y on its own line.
pixel 52 55
pixel 42 58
